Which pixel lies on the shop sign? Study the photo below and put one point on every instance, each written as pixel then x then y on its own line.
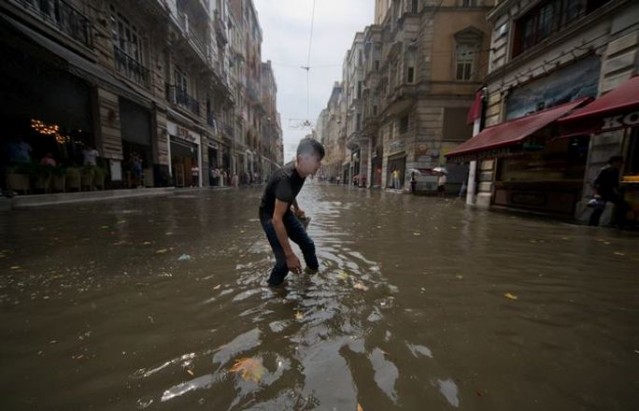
pixel 620 121
pixel 396 145
pixel 185 134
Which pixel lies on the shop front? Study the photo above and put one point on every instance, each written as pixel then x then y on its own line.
pixel 215 174
pixel 533 169
pixel 135 123
pixel 185 153
pixel 613 121
pixel 397 163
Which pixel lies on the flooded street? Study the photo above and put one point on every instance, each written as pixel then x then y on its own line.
pixel 420 304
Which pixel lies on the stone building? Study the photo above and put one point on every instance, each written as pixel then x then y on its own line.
pixel 354 170
pixel 270 143
pixel 548 58
pixel 407 97
pixel 330 132
pixel 145 81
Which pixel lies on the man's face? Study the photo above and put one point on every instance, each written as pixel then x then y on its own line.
pixel 309 163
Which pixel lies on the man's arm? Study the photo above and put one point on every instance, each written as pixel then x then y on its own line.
pixel 298 211
pixel 292 261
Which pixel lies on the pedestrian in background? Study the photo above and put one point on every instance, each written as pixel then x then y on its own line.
pixel 606 189
pixel 396 182
pixel 90 156
pixel 280 222
pixel 413 182
pixel 441 184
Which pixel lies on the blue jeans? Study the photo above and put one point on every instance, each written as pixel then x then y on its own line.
pixel 296 232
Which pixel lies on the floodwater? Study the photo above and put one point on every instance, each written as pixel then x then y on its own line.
pixel 420 304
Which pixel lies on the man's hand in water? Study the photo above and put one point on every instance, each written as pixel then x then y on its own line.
pixel 300 213
pixel 293 264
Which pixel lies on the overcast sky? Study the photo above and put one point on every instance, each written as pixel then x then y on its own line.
pixel 286 27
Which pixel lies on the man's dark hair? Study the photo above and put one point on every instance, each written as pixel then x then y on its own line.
pixel 310 146
pixel 615 159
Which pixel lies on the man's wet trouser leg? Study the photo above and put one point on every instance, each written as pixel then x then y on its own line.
pixel 296 232
pixel 298 235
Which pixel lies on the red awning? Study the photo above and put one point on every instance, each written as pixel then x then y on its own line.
pixel 514 132
pixel 614 110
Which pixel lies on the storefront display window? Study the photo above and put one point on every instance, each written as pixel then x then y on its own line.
pixel 560 160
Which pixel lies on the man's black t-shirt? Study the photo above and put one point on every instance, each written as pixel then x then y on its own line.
pixel 284 185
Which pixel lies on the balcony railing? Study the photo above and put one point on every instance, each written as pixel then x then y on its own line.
pixel 194 37
pixel 131 68
pixel 63 16
pixel 226 129
pixel 180 97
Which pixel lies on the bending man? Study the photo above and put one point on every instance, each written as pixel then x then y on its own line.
pixel 279 222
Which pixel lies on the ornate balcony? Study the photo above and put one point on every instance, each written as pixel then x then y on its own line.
pixel 131 68
pixel 180 97
pixel 63 16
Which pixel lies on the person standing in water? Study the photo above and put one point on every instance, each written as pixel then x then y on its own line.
pixel 279 212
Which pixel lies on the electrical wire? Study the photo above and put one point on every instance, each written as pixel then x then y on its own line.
pixel 308 65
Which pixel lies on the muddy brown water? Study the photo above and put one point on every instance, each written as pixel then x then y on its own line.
pixel 420 304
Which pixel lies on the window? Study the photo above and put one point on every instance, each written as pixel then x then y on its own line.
pixel 469 3
pixel 411 75
pixel 410 66
pixel 549 18
pixel 376 65
pixel 359 89
pixel 359 122
pixel 127 49
pixel 181 81
pixel 125 36
pixel 375 110
pixel 403 125
pixel 465 61
pixel 414 6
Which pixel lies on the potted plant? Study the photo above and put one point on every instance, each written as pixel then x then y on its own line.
pixel 99 175
pixel 86 177
pixel 58 178
pixel 72 178
pixel 18 178
pixel 42 177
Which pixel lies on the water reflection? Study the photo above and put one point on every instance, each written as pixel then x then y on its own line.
pixel 408 310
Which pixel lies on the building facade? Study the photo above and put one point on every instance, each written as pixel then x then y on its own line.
pixel 546 55
pixel 330 132
pixel 148 84
pixel 407 96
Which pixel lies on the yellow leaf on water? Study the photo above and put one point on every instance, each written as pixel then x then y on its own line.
pixel 619 253
pixel 161 251
pixel 299 315
pixel 217 287
pixel 511 296
pixel 360 286
pixel 15 267
pixel 342 275
pixel 359 407
pixel 416 234
pixel 250 369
